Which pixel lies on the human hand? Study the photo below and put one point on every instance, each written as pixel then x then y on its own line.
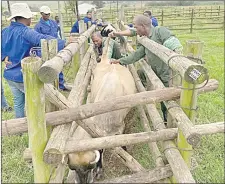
pixel 6 61
pixel 114 61
pixel 111 35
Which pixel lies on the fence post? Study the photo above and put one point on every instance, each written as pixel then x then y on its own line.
pixel 35 109
pixel 193 50
pixel 192 17
pixel 211 11
pixel 81 30
pixel 162 19
pixel 219 11
pixel 76 57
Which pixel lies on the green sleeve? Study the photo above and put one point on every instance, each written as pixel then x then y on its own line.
pixel 110 48
pixel 116 51
pixel 134 56
pixel 164 34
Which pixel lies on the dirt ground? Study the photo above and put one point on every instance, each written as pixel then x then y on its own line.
pixel 112 166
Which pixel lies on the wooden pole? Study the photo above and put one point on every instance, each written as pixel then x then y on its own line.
pixel 50 70
pixel 35 108
pixel 152 176
pixel 74 145
pixel 193 50
pixel 192 19
pixel 162 19
pixel 168 145
pixel 76 57
pixel 8 5
pixel 188 102
pixel 189 70
pixel 86 144
pixel 52 150
pixel 61 21
pixel 81 30
pixel 19 125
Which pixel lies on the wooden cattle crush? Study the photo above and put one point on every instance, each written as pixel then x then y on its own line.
pixel 50 152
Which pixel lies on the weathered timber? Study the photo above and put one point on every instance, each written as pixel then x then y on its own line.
pixel 179 168
pixel 76 57
pixel 44 50
pixel 87 77
pixel 192 137
pixel 118 140
pixel 186 125
pixel 151 176
pixel 193 50
pixel 135 138
pixel 35 108
pixel 19 125
pixel 52 154
pixel 27 155
pixel 190 71
pixel 81 30
pixel 60 133
pixel 50 69
pixel 152 145
pixel 78 82
pixel 184 66
pixel 58 175
pixel 127 159
pixel 203 129
pixel 55 97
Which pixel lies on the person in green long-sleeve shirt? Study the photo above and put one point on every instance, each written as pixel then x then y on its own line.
pixel 161 35
pixel 99 42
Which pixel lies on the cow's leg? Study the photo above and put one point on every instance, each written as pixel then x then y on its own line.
pixel 99 167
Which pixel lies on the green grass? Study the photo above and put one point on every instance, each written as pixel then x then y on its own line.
pixel 209 155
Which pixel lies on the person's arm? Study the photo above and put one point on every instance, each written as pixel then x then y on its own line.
pixel 132 57
pixel 34 38
pixel 126 32
pixel 37 28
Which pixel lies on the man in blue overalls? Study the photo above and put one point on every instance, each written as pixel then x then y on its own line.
pixel 47 26
pixel 17 41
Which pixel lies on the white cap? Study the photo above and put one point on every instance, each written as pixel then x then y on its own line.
pixel 20 9
pixel 45 9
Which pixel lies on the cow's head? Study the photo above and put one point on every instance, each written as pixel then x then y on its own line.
pixel 84 172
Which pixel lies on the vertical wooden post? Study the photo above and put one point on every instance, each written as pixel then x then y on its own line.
pixel 188 102
pixel 192 16
pixel 76 58
pixel 35 108
pixel 193 49
pixel 81 30
pixel 53 50
pixel 61 21
pixel 93 18
pixel 162 18
pixel 219 11
pixel 44 50
pixel 211 11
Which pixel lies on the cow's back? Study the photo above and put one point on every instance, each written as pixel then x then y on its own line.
pixel 111 81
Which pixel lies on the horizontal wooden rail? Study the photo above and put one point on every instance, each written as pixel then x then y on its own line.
pixel 19 125
pixel 50 70
pixel 74 145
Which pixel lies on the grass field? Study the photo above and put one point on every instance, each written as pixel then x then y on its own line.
pixel 209 155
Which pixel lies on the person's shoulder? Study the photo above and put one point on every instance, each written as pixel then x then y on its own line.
pixel 53 21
